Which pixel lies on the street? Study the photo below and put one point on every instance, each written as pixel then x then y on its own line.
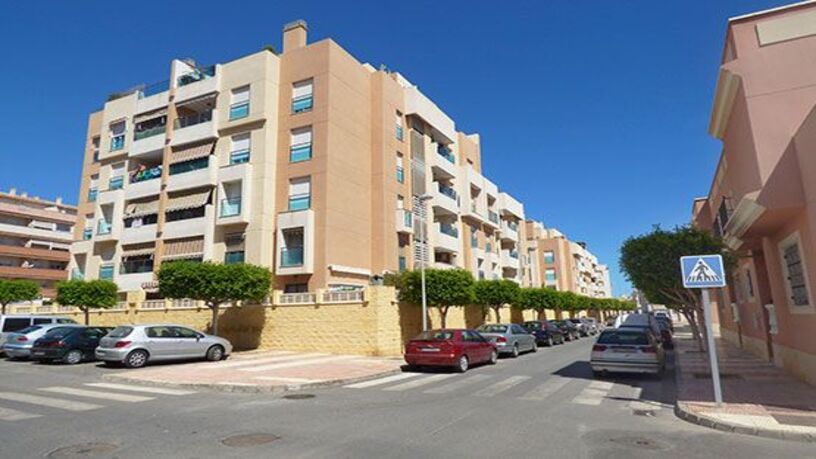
pixel 540 405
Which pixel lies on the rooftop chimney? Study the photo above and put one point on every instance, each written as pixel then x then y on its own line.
pixel 294 35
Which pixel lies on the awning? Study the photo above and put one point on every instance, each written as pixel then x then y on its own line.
pixel 206 98
pixel 141 209
pixel 183 248
pixel 138 252
pixel 149 115
pixel 190 201
pixel 191 152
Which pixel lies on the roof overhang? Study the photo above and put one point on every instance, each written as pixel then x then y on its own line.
pixel 728 83
pixel 745 214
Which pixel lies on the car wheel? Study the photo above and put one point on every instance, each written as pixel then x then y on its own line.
pixel 515 350
pixel 215 353
pixel 535 347
pixel 494 357
pixel 550 341
pixel 136 359
pixel 462 364
pixel 73 357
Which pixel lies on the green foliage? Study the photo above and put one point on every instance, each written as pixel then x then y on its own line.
pixel 393 280
pixel 87 295
pixel 444 288
pixel 538 299
pixel 12 291
pixel 494 294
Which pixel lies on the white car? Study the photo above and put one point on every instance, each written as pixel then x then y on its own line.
pixel 627 350
pixel 17 322
pixel 639 320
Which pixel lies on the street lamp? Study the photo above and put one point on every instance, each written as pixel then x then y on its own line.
pixel 423 238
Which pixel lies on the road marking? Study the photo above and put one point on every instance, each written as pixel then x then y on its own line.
pixel 48 401
pixel 594 393
pixel 419 382
pixel 149 390
pixel 501 386
pixel 289 380
pixel 456 385
pixel 301 363
pixel 97 394
pixel 7 414
pixel 548 388
pixel 248 362
pixel 385 380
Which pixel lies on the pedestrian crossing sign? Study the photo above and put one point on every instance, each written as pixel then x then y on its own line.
pixel 702 271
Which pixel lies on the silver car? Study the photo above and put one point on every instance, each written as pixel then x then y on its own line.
pixel 509 338
pixel 18 344
pixel 135 345
pixel 629 350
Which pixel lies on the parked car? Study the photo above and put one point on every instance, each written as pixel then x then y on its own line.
pixel 661 319
pixel 455 348
pixel 592 325
pixel 545 333
pixel 665 335
pixel 18 344
pixel 136 345
pixel 631 350
pixel 69 344
pixel 509 338
pixel 610 322
pixel 583 330
pixel 17 322
pixel 568 329
pixel 639 320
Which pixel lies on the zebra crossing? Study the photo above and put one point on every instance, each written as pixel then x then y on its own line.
pixel 577 391
pixel 43 401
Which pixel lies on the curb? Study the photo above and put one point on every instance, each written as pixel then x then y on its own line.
pixel 246 387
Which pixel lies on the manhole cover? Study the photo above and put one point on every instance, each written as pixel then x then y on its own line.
pixel 84 450
pixel 250 439
pixel 649 413
pixel 298 396
pixel 639 442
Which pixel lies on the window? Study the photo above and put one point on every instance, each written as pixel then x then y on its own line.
pixel 106 272
pixel 13 324
pixel 302 100
pixel 95 142
pixel 398 125
pixel 400 168
pixel 474 237
pixel 795 272
pixel 160 332
pixel 300 193
pixel 92 188
pixel 117 136
pixel 234 257
pixel 403 264
pixel 296 288
pixel 549 257
pixel 117 178
pixel 240 147
pixel 292 252
pixel 182 332
pixel 239 103
pixel 549 275
pixel 137 222
pixel 136 264
pixel 300 144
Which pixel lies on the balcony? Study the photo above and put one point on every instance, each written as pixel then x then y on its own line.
pixel 34 253
pixel 31 233
pixel 77 274
pixel 447 238
pixel 509 231
pixel 192 175
pixel 474 212
pixel 405 221
pixel 147 141
pixel 195 127
pixel 198 82
pixel 510 206
pixel 139 234
pixel 509 259
pixel 230 207
pixel 144 183
pixel 445 200
pixel 153 97
pixel 443 163
pixel 445 152
pixel 291 257
pixel 190 227
pixel 15 272
pixel 103 228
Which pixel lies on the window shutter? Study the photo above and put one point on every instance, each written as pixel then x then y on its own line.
pixel 240 142
pixel 240 95
pixel 301 136
pixel 299 186
pixel 302 88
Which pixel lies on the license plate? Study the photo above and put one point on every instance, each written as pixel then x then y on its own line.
pixel 621 351
pixel 429 349
pixel 39 353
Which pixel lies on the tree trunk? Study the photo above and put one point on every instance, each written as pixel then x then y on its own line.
pixel 695 332
pixel 3 309
pixel 87 315
pixel 701 327
pixel 497 310
pixel 214 325
pixel 443 315
pixel 541 314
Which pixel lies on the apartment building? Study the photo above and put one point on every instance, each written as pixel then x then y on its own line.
pixel 562 264
pixel 761 200
pixel 325 169
pixel 35 238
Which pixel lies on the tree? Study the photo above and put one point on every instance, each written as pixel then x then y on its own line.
pixel 538 299
pixel 12 291
pixel 495 294
pixel 444 288
pixel 652 263
pixel 87 295
pixel 214 284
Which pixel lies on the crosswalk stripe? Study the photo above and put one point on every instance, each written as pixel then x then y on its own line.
pixel 275 359
pixel 419 382
pixel 48 401
pixel 301 363
pixel 594 393
pixel 149 390
pixel 96 394
pixel 550 387
pixel 456 385
pixel 7 414
pixel 501 386
pixel 385 380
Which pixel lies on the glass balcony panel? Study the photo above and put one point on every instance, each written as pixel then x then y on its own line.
pixel 196 75
pixel 448 191
pixel 448 229
pixel 103 227
pixel 291 256
pixel 230 207
pixel 234 257
pixel 149 132
pixel 445 153
pixel 198 118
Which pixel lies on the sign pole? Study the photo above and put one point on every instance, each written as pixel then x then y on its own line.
pixel 712 349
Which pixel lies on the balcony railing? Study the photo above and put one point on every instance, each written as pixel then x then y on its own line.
pixel 449 229
pixel 153 89
pixel 196 75
pixel 448 191
pixel 103 228
pixel 234 257
pixel 87 234
pixel 230 207
pixel 291 256
pixel 300 152
pixel 146 174
pixel 445 153
pixel 117 142
pixel 297 298
pixel 302 103
pixel 493 216
pixel 192 120
pixel 149 132
pixel 189 166
pixel 239 111
pixel 300 202
pixel 116 183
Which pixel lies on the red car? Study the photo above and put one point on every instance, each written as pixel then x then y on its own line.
pixel 456 348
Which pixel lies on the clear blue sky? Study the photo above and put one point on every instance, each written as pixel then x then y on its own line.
pixel 594 114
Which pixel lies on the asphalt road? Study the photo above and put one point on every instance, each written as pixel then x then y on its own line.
pixel 539 405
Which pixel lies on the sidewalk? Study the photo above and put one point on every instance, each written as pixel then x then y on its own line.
pixel 274 371
pixel 758 398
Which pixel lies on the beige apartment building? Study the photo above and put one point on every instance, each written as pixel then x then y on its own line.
pixel 562 264
pixel 761 200
pixel 35 238
pixel 326 170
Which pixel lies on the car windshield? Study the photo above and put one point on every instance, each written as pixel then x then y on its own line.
pixel 630 337
pixel 532 325
pixel 30 329
pixel 120 332
pixel 493 329
pixel 434 335
pixel 60 332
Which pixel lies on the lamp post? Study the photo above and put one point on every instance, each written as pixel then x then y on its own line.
pixel 423 236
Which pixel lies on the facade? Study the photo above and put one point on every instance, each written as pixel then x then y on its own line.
pixel 324 169
pixel 762 196
pixel 35 238
pixel 565 265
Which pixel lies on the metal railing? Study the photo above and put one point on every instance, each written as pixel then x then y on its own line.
pixel 153 89
pixel 192 120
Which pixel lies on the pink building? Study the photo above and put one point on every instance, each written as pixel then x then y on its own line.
pixel 763 196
